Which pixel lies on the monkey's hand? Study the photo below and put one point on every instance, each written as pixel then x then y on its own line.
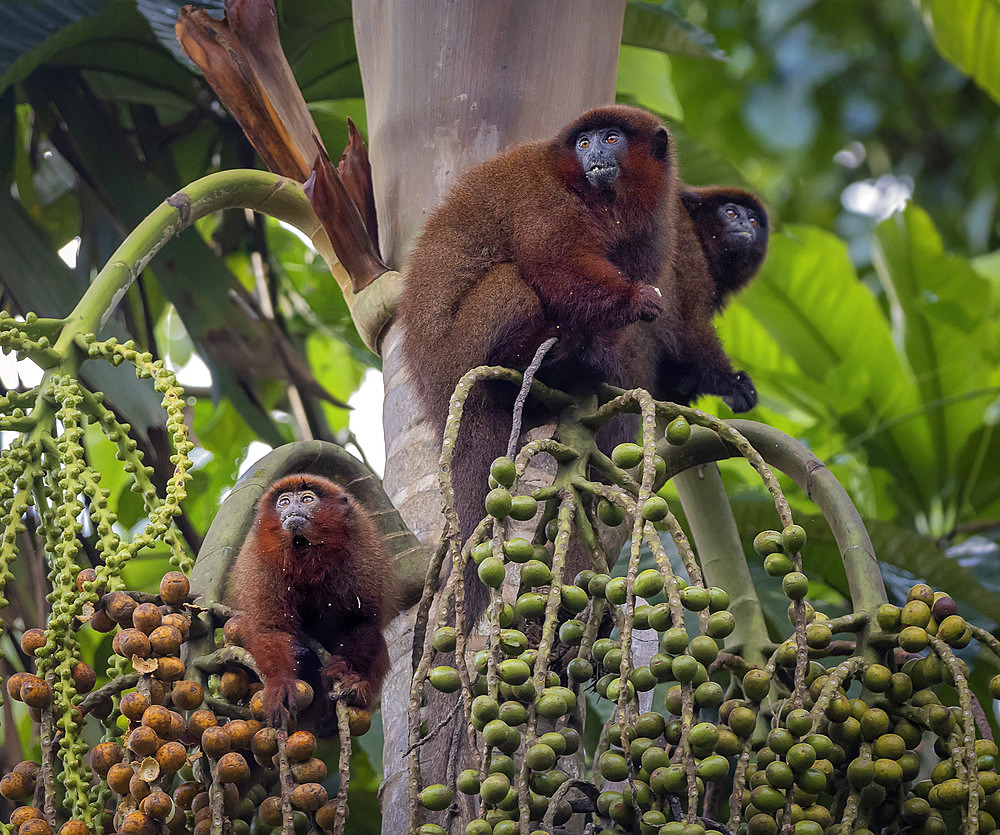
pixel 353 688
pixel 742 396
pixel 647 303
pixel 279 700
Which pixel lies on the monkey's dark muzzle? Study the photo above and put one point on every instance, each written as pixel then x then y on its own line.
pixel 294 522
pixel 601 169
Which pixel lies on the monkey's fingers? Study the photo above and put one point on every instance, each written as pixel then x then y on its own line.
pixel 743 396
pixel 344 683
pixel 279 702
pixel 648 303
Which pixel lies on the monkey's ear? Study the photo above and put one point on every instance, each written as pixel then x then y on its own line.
pixel 661 141
pixel 344 505
pixel 691 200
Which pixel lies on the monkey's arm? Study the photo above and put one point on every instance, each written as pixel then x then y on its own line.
pixel 271 624
pixel 588 292
pixel 700 366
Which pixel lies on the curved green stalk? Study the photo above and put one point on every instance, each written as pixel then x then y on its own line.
pixel 723 561
pixel 812 475
pixel 261 191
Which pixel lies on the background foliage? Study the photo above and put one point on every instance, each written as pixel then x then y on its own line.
pixel 872 331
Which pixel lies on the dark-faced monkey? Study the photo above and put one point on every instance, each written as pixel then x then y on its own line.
pixel 563 238
pixel 313 566
pixel 732 226
pixel 720 237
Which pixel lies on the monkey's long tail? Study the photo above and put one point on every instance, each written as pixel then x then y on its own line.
pixel 522 395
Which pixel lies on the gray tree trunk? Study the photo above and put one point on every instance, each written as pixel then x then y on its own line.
pixel 448 84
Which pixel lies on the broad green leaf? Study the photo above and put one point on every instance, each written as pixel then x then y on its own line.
pixel 33 31
pixel 967 32
pixel 936 304
pixel 644 75
pixel 143 572
pixel 808 298
pixel 662 27
pixel 317 36
pixel 225 437
pixel 337 372
pixel 39 281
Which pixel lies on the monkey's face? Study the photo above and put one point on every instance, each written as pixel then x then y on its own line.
pixel 600 152
pixel 740 225
pixel 295 509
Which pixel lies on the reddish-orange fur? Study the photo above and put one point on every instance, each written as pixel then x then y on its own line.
pixel 522 249
pixel 334 588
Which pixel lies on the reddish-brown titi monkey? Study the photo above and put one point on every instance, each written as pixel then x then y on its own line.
pixel 560 238
pixel 312 565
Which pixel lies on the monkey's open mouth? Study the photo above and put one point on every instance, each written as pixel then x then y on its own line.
pixel 294 521
pixel 601 175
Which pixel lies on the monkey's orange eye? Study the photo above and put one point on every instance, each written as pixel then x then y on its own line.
pixel 612 138
pixel 283 499
pixel 307 498
pixel 753 220
pixel 730 213
pixel 583 142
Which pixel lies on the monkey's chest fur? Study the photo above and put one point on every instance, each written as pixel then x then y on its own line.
pixel 324 590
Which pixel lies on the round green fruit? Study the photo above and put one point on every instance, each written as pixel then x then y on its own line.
pixel 436 797
pixel 523 508
pixel 678 431
pixel 503 470
pixel 573 598
pixel 498 503
pixel 535 573
pixel 445 679
pixel 655 509
pixel 610 513
pixel 518 550
pixel 627 456
pixel 491 572
pixel 445 638
pixel 648 583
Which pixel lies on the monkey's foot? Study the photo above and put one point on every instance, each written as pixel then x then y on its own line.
pixel 353 689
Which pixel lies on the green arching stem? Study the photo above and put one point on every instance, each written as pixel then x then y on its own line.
pixel 810 474
pixel 261 191
pixel 722 559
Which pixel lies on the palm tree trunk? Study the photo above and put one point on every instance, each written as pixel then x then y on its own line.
pixel 448 84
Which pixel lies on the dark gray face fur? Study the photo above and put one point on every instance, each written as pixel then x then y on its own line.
pixel 599 152
pixel 295 509
pixel 739 223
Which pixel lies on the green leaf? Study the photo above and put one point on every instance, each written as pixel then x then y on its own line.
pixel 317 36
pixel 34 31
pixel 967 33
pixel 644 75
pixel 143 573
pixel 663 28
pixel 936 307
pixel 808 298
pixel 39 281
pixel 226 436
